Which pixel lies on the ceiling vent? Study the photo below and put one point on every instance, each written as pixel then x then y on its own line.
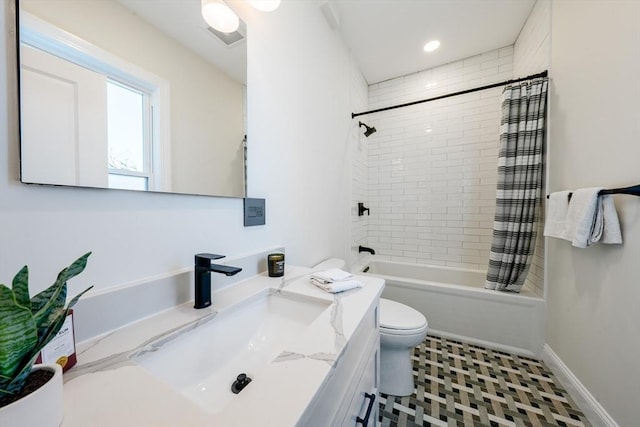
pixel 230 39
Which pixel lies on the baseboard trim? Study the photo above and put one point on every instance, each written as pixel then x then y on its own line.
pixel 483 343
pixel 591 408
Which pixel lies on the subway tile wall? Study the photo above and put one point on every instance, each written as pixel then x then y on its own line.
pixel 360 171
pixel 531 51
pixel 432 168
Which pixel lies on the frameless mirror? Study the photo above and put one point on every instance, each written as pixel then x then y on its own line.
pixel 131 94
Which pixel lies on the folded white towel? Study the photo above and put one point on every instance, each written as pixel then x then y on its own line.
pixel 611 233
pixel 332 275
pixel 581 216
pixel 592 219
pixel 555 224
pixel 335 287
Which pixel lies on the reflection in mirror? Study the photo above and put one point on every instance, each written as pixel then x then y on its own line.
pixel 131 94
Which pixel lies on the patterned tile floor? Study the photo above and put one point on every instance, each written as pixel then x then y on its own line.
pixel 459 384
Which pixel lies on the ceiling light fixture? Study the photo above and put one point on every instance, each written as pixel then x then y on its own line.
pixel 220 16
pixel 265 5
pixel 431 46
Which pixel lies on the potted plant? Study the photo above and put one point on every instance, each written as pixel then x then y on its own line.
pixel 26 326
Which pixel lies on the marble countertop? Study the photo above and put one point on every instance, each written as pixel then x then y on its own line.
pixel 108 387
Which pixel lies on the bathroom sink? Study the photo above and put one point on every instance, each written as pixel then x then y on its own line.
pixel 203 364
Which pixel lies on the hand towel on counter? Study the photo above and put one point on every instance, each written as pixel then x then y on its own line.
pixel 586 220
pixel 334 280
pixel 335 287
pixel 331 275
pixel 555 224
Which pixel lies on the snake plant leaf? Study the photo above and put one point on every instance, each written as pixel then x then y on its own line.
pixel 9 386
pixel 46 332
pixel 39 302
pixel 20 287
pixel 56 320
pixel 44 297
pixel 77 266
pixel 49 313
pixel 51 310
pixel 75 299
pixel 18 333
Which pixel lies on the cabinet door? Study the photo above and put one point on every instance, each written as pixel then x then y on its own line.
pixel 366 396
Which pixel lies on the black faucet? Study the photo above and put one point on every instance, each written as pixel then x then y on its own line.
pixel 202 272
pixel 366 249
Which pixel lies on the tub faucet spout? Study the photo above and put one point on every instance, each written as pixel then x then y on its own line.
pixel 202 272
pixel 366 249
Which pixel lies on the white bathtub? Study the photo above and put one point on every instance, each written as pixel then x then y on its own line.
pixel 456 305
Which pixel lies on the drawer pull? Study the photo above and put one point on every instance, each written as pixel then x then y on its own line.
pixel 365 421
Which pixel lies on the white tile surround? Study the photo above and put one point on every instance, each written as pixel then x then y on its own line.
pixel 532 49
pixel 432 194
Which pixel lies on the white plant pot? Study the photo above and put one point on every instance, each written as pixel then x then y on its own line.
pixel 42 408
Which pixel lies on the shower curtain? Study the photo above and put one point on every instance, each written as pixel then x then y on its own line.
pixel 522 135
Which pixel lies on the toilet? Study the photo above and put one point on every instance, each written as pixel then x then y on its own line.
pixel 401 329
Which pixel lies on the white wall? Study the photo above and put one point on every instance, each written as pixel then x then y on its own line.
pixel 593 321
pixel 433 166
pixel 299 122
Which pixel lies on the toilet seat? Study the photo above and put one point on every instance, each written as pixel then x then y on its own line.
pixel 399 319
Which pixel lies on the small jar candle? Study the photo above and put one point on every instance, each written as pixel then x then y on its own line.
pixel 275 263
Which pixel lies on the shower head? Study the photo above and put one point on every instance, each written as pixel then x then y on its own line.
pixel 368 131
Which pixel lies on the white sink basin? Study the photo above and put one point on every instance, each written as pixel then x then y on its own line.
pixel 204 363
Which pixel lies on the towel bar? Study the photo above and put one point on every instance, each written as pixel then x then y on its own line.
pixel 634 190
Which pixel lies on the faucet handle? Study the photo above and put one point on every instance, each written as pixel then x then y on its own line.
pixel 204 259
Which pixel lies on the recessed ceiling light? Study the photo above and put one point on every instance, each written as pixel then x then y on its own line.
pixel 218 15
pixel 265 5
pixel 431 46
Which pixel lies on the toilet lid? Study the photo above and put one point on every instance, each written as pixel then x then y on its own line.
pixel 396 316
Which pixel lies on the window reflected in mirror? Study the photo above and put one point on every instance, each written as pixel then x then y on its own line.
pixel 129 137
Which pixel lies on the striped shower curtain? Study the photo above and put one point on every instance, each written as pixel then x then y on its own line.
pixel 522 135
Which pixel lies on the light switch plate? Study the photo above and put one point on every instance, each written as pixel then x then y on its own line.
pixel 254 212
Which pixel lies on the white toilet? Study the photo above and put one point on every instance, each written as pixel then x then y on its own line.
pixel 401 329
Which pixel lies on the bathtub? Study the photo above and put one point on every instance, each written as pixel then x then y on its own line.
pixel 457 306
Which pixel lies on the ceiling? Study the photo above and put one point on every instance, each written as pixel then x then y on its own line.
pixel 182 21
pixel 386 36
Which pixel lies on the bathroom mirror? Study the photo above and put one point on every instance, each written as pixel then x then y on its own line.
pixel 131 94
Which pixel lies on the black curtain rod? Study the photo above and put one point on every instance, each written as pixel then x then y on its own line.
pixel 462 92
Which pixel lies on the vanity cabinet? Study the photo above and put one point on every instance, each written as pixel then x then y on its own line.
pixel 352 386
pixel 365 397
